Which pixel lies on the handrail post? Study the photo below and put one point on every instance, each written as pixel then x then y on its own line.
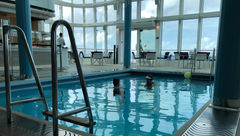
pixel 6 73
pixel 54 73
pixel 213 61
pixel 5 30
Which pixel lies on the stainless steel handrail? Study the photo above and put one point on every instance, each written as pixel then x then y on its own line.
pixel 54 73
pixel 212 64
pixel 5 31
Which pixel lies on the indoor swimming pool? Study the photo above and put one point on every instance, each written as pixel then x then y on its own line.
pixel 161 110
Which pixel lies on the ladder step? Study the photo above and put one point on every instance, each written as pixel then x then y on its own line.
pixel 72 112
pixel 26 101
pixel 72 119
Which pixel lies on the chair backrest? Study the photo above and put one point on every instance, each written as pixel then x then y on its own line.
pixel 151 55
pixel 166 55
pixel 201 57
pixel 133 55
pixel 81 53
pixel 97 55
pixel 177 55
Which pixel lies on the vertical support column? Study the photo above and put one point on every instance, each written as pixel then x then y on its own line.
pixel 139 9
pixel 180 26
pixel 200 20
pixel 199 34
pixel 24 21
pixel 105 30
pixel 95 28
pixel 157 41
pixel 138 41
pixel 227 88
pixel 127 33
pixel 84 30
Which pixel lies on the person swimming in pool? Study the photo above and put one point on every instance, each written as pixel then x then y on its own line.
pixel 117 91
pixel 149 82
pixel 116 87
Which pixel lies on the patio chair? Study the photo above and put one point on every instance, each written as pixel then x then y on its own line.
pixel 150 58
pixel 136 58
pixel 97 56
pixel 82 56
pixel 201 58
pixel 108 57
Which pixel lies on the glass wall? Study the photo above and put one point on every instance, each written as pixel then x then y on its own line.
pixel 212 5
pixel 170 36
pixel 78 15
pixel 100 39
pixel 89 17
pixel 89 39
pixel 170 7
pixel 111 13
pixel 191 6
pixel 100 14
pixel 78 33
pixel 148 9
pixel 148 40
pixel 83 18
pixel 209 34
pixel 189 35
pixel 111 37
pixel 67 13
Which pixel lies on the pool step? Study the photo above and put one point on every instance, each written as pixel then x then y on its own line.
pixel 72 119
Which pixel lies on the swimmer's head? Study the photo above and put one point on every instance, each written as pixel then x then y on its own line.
pixel 116 82
pixel 149 80
pixel 149 77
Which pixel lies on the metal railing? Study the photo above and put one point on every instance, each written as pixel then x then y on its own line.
pixel 212 64
pixel 5 30
pixel 55 81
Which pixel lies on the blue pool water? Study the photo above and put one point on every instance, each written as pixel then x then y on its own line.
pixel 141 112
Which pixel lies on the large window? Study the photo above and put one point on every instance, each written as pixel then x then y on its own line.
pixel 170 36
pixel 100 39
pixel 148 9
pixel 46 27
pixel 191 6
pixel 77 1
pixel 89 38
pixel 134 40
pixel 209 33
pixel 57 12
pixel 89 15
pixel 67 14
pixel 212 5
pixel 88 1
pixel 134 10
pixel 66 38
pixel 69 1
pixel 78 15
pixel 78 33
pixel 170 7
pixel 111 13
pixel 100 14
pixel 189 35
pixel 148 40
pixel 111 37
pixel 99 1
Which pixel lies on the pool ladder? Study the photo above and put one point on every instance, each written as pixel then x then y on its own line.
pixel 9 103
pixel 67 116
pixel 54 113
